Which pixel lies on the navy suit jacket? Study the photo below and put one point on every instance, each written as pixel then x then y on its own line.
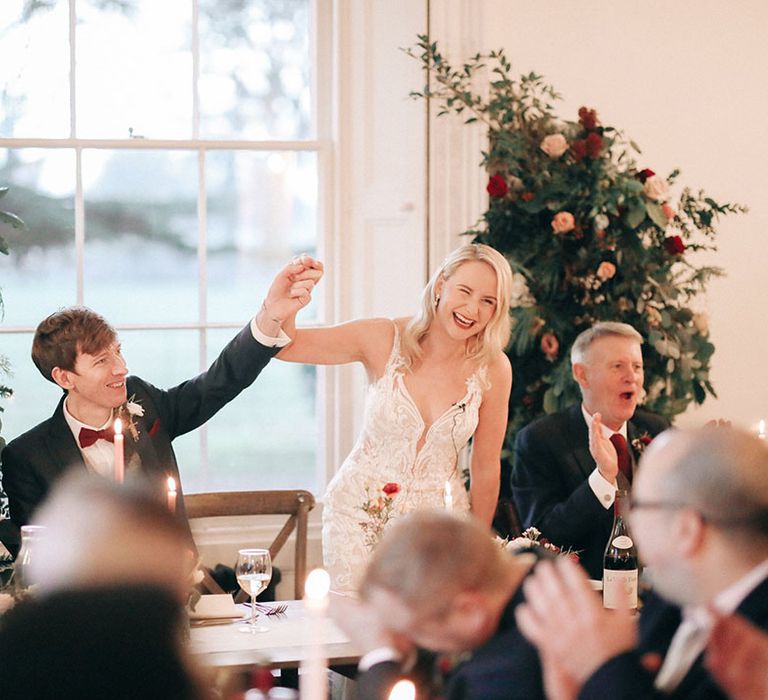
pixel 624 677
pixel 506 667
pixel 34 461
pixel 549 481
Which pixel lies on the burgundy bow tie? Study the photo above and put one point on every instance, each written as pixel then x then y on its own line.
pixel 87 436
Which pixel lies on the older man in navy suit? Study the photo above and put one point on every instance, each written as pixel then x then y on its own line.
pixel 79 351
pixel 700 519
pixel 440 583
pixel 568 465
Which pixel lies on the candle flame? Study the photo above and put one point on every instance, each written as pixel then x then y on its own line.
pixel 403 690
pixel 317 585
pixel 171 483
pixel 448 496
pixel 118 426
pixel 761 428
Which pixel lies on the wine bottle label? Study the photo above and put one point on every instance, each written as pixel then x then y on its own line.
pixel 622 542
pixel 620 589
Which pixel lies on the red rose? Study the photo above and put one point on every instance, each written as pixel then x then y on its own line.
pixel 674 245
pixel 594 144
pixel 497 186
pixel 579 150
pixel 527 196
pixel 588 118
pixel 643 175
pixel 391 488
pixel 646 439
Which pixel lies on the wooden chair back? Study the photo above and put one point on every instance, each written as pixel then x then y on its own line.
pixel 296 504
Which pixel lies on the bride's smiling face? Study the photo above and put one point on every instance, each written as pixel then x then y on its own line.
pixel 467 299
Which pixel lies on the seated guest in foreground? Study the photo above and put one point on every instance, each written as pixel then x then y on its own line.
pixel 700 519
pixel 79 351
pixel 439 582
pixel 112 572
pixel 120 642
pixel 99 533
pixel 566 467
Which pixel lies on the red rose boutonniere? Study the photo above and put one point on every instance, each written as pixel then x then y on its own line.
pixel 641 442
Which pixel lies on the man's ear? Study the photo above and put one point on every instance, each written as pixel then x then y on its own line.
pixel 63 377
pixel 471 607
pixel 580 374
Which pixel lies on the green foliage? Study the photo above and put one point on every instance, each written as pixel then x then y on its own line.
pixel 590 235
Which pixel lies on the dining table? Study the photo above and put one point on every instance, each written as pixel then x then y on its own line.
pixel 284 645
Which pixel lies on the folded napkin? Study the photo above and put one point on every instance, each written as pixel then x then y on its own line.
pixel 215 607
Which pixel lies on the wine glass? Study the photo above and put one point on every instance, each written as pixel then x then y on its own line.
pixel 254 572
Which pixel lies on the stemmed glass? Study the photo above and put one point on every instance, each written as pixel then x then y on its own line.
pixel 254 572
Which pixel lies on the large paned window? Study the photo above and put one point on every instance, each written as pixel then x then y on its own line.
pixel 167 157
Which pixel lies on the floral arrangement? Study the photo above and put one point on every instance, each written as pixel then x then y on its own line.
pixel 530 539
pixel 379 509
pixel 591 235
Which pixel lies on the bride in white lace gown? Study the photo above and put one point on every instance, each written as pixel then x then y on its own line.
pixel 436 380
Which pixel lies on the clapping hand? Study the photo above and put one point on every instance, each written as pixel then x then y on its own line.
pixel 565 619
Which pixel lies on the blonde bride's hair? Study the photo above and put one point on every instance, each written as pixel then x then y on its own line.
pixel 495 336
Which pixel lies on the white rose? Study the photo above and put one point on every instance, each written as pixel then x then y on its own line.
pixel 656 188
pixel 554 145
pixel 600 222
pixel 135 409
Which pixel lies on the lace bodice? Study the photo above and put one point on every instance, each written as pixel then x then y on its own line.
pixel 396 445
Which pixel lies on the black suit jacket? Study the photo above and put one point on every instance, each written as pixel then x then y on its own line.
pixel 34 461
pixel 506 667
pixel 624 677
pixel 549 481
pixel 116 643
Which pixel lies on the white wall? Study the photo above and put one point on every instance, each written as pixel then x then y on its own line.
pixel 688 81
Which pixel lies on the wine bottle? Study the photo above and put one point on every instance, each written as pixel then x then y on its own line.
pixel 620 560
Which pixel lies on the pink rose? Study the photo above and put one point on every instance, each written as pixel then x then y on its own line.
pixel 563 222
pixel 606 270
pixel 669 212
pixel 554 145
pixel 656 188
pixel 550 346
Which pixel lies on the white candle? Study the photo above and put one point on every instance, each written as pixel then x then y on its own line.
pixel 448 496
pixel 171 494
pixel 119 453
pixel 403 690
pixel 313 683
pixel 761 429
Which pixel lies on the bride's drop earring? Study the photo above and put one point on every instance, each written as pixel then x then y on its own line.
pixel 437 300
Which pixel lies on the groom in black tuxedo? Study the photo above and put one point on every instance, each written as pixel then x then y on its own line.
pixel 567 466
pixel 79 351
pixel 699 515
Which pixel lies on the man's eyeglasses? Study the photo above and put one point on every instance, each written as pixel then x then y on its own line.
pixel 757 518
pixel 639 504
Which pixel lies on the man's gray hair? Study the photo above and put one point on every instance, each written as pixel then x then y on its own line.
pixel 601 329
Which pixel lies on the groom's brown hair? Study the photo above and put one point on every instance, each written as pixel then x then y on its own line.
pixel 65 333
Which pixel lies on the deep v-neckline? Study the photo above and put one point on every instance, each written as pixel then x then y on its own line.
pixel 425 431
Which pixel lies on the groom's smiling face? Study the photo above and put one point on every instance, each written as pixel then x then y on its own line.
pixel 96 385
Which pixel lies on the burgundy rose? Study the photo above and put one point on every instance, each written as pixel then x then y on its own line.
pixel 497 186
pixel 674 245
pixel 594 144
pixel 391 488
pixel 644 174
pixel 579 150
pixel 646 439
pixel 588 118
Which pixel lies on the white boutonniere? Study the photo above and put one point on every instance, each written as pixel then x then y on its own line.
pixel 128 413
